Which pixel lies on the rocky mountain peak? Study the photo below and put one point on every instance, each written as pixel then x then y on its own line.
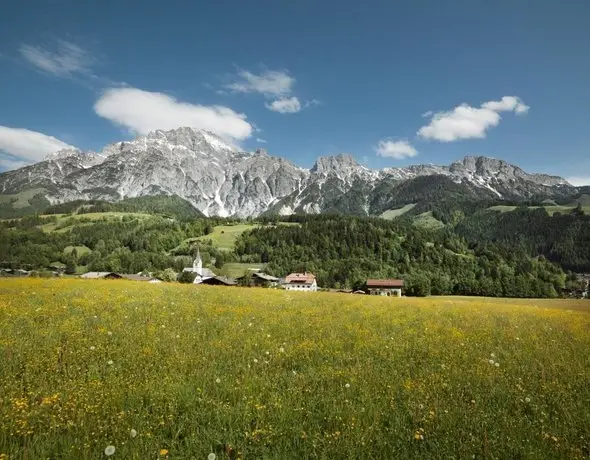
pixel 62 154
pixel 327 164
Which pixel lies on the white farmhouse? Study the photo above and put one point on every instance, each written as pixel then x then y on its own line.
pixel 301 282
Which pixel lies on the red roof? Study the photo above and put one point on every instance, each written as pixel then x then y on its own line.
pixel 300 278
pixel 385 283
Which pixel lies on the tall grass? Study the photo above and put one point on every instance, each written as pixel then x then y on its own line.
pixel 253 373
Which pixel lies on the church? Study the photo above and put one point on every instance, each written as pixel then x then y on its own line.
pixel 197 268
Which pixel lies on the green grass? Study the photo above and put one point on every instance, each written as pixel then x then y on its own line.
pixel 225 236
pixel 92 217
pixel 235 269
pixel 20 200
pixel 427 220
pixel 264 374
pixel 550 208
pixel 80 250
pixel 393 213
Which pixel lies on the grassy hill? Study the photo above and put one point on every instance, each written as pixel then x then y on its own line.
pixel 253 373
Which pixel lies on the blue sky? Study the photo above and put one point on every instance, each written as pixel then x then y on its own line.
pixel 393 83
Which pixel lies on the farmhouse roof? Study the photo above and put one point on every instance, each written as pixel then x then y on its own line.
pixel 220 280
pixel 385 283
pixel 136 277
pixel 99 275
pixel 300 278
pixel 264 276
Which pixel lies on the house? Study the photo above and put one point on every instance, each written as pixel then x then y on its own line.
pixel 385 287
pixel 100 276
pixel 202 274
pixel 260 279
pixel 131 277
pixel 301 282
pixel 219 281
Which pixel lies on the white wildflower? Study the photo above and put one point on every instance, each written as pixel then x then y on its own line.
pixel 109 333
pixel 527 399
pixel 282 350
pixel 255 360
pixel 497 364
pixel 92 348
pixel 491 361
pixel 347 385
pixel 211 456
pixel 218 380
pixel 109 450
pixel 493 355
pixel 110 362
pixel 133 433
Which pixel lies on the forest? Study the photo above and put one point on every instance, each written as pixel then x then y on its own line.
pixel 523 253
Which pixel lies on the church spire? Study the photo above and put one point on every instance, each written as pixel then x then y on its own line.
pixel 198 263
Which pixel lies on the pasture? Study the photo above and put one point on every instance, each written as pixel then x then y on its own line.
pixel 182 372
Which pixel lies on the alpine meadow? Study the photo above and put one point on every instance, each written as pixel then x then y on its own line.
pixel 159 371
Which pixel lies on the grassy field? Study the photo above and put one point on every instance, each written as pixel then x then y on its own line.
pixel 225 236
pixel 92 217
pixel 235 269
pixel 393 213
pixel 263 374
pixel 550 209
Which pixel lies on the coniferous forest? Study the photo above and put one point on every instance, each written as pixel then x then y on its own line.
pixel 522 253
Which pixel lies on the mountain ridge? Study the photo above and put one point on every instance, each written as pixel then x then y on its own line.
pixel 219 179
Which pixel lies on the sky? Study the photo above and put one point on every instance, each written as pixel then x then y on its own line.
pixel 391 82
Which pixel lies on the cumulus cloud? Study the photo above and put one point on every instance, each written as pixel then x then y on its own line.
pixel 578 181
pixel 270 83
pixel 68 59
pixel 467 122
pixel 285 105
pixel 145 111
pixel 19 147
pixel 395 149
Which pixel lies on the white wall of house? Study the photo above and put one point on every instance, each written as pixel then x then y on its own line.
pixel 313 287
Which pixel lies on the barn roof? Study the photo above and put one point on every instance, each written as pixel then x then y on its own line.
pixel 300 278
pixel 99 275
pixel 385 283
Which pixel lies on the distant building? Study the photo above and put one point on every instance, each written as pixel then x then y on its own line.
pixel 100 276
pixel 201 273
pixel 148 279
pixel 301 282
pixel 385 287
pixel 219 281
pixel 260 279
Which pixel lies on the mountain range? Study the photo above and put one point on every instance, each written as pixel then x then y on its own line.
pixel 219 179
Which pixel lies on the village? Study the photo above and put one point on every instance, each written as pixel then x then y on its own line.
pixel 197 274
pixel 301 282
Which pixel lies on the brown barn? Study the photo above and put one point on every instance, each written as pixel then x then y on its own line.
pixel 385 287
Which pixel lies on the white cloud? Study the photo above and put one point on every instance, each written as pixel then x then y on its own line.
pixel 22 146
pixel 67 60
pixel 507 104
pixel 271 83
pixel 578 181
pixel 260 140
pixel 145 111
pixel 466 122
pixel 395 149
pixel 285 105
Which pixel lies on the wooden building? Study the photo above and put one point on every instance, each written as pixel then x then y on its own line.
pixel 385 287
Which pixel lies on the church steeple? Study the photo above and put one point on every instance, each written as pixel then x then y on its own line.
pixel 198 264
